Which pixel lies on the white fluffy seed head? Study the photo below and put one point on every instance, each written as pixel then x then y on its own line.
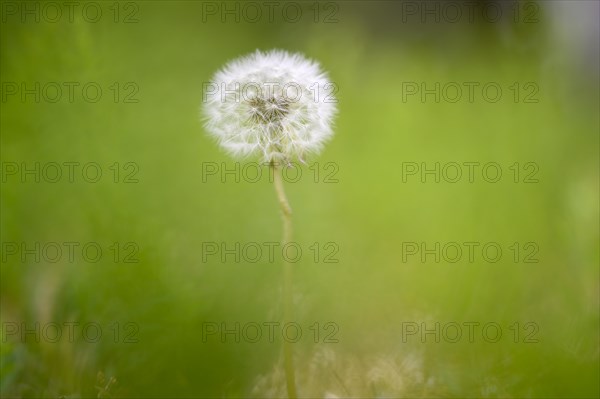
pixel 274 105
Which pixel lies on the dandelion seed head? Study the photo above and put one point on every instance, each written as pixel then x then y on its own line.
pixel 273 105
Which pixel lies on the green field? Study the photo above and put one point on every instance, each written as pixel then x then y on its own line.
pixel 379 280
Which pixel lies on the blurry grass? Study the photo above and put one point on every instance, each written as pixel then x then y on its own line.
pixel 369 213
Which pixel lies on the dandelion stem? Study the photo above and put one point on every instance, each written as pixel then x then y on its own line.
pixel 286 213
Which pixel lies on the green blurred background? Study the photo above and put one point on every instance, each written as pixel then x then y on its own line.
pixel 371 50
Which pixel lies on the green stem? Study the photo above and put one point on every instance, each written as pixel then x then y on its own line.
pixel 286 213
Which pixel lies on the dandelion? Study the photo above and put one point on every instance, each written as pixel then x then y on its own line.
pixel 278 107
pixel 275 105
